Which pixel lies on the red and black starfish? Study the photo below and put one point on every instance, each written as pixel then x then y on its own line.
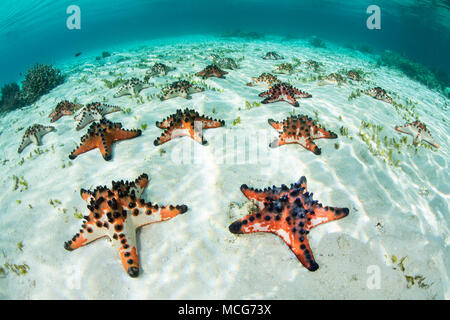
pixel 116 213
pixel 290 213
pixel 283 92
pixel 64 108
pixel 379 94
pixel 212 71
pixel 302 130
pixel 186 123
pixel 102 135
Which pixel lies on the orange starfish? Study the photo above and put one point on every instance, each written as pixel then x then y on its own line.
pixel 212 71
pixel 64 108
pixel 290 213
pixel 116 213
pixel 101 135
pixel 302 130
pixel 186 123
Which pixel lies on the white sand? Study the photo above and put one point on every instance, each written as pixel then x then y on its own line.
pixel 393 211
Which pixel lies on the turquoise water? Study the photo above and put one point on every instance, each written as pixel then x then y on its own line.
pixel 33 32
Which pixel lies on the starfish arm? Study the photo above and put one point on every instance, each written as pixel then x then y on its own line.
pixel 146 213
pixel 36 139
pixel 319 133
pixel 112 135
pixel 165 123
pixel 105 146
pixel 139 185
pixel 264 94
pixel 171 133
pixel 276 125
pixel 219 74
pixel 299 245
pixel 202 73
pixel 87 144
pixel 78 116
pixel 428 139
pixel 88 234
pixel 291 100
pixel 301 94
pixel 271 99
pixel 124 240
pixel 186 129
pixel 302 183
pixel 164 95
pixel 123 134
pixel 256 195
pixel 278 141
pixel 416 141
pixel 197 135
pixel 259 196
pixel 106 109
pixel 25 142
pixel 285 138
pixel 86 195
pixel 256 222
pixel 55 116
pixel 311 146
pixel 128 254
pixel 193 89
pixel 208 123
pixel 86 118
pixel 326 214
pixel 122 92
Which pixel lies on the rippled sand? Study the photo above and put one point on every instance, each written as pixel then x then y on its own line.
pixel 394 211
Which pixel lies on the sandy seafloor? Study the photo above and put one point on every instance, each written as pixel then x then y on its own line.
pixel 394 211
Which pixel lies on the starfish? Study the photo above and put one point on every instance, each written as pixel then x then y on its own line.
pixel 186 123
pixel 290 213
pixel 159 69
pixel 116 213
pixel 335 78
pixel 64 108
pixel 180 88
pixel 94 111
pixel 271 55
pixel 34 134
pixel 101 135
pixel 131 87
pixel 314 65
pixel 283 92
pixel 379 94
pixel 354 75
pixel 419 132
pixel 226 63
pixel 284 68
pixel 212 71
pixel 264 79
pixel 302 130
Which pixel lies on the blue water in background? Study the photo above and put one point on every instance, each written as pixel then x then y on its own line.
pixel 34 31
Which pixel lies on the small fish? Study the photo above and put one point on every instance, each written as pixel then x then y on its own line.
pixel 78 54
